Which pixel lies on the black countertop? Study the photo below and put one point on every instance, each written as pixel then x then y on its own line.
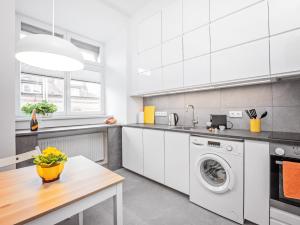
pixel 281 137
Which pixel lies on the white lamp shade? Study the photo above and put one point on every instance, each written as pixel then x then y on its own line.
pixel 49 52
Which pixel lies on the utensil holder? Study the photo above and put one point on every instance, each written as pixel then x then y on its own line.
pixel 255 125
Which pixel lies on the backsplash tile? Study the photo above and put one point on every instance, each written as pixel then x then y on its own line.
pixel 280 99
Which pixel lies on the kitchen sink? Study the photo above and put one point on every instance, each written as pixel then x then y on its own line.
pixel 182 128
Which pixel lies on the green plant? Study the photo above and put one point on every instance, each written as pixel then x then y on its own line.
pixel 51 156
pixel 42 108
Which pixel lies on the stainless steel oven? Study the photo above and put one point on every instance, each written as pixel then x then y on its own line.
pixel 279 153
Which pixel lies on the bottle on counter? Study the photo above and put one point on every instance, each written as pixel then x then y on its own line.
pixel 34 125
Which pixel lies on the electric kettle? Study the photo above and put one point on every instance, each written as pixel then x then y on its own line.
pixel 173 119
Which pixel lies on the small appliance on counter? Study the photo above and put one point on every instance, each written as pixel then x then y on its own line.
pixel 173 119
pixel 219 121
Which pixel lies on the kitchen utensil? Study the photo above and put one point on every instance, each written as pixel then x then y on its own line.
pixel 264 115
pixel 149 114
pixel 248 113
pixel 253 113
pixel 173 119
pixel 222 128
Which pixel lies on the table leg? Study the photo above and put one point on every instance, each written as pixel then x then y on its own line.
pixel 80 218
pixel 118 205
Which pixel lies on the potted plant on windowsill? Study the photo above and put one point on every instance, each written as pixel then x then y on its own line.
pixel 50 164
pixel 44 108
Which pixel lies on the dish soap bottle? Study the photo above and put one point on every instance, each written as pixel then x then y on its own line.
pixel 34 125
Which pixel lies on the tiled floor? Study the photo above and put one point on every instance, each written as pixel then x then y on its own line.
pixel 149 203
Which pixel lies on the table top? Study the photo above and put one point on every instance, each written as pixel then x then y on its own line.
pixel 23 196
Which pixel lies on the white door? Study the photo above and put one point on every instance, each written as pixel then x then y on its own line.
pixel 154 154
pixel 220 8
pixel 172 20
pixel 172 51
pixel 244 26
pixel 242 62
pixel 150 81
pixel 132 149
pixel 214 173
pixel 177 161
pixel 284 15
pixel 195 14
pixel 173 76
pixel 285 52
pixel 197 71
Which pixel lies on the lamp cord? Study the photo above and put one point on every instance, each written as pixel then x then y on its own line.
pixel 53 17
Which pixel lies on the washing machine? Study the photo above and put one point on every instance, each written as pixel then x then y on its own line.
pixel 216 176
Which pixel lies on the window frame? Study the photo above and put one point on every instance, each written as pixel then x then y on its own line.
pixel 88 65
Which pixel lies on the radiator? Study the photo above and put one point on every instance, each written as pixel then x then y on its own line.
pixel 89 145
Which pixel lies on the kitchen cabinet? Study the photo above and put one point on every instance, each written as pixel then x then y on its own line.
pixel 242 62
pixel 285 52
pixel 195 14
pixel 257 182
pixel 172 51
pixel 177 161
pixel 220 8
pixel 150 81
pixel 284 15
pixel 196 43
pixel 149 32
pixel 197 71
pixel 172 20
pixel 244 26
pixel 132 149
pixel 154 155
pixel 173 76
pixel 149 59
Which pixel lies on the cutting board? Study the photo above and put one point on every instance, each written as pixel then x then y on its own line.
pixel 149 114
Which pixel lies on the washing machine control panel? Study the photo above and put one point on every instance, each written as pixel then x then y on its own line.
pixel 214 144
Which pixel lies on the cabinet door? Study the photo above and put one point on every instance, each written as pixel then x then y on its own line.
pixel 257 174
pixel 150 81
pixel 154 155
pixel 220 8
pixel 172 51
pixel 177 161
pixel 172 20
pixel 149 32
pixel 197 71
pixel 284 15
pixel 195 14
pixel 173 76
pixel 285 52
pixel 132 149
pixel 149 59
pixel 242 62
pixel 247 25
pixel 196 43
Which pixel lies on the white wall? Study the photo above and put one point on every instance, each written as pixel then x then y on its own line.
pixel 7 78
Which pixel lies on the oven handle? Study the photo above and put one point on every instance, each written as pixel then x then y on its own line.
pixel 278 162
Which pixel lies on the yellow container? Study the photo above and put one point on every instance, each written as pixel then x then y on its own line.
pixel 255 125
pixel 49 174
pixel 149 114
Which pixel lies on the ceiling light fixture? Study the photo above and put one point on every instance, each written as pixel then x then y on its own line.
pixel 49 52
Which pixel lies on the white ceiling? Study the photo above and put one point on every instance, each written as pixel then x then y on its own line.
pixel 127 7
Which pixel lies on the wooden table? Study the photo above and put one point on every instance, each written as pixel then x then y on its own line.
pixel 24 199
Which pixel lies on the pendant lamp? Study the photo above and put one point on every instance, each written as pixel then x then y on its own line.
pixel 49 52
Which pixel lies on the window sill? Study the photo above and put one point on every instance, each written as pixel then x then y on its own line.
pixel 53 118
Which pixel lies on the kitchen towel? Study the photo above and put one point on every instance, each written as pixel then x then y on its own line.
pixel 291 179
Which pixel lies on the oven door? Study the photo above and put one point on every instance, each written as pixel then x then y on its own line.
pixel 277 198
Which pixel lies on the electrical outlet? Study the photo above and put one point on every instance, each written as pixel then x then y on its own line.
pixel 161 114
pixel 236 114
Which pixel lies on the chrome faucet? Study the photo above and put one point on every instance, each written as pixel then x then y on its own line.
pixel 194 121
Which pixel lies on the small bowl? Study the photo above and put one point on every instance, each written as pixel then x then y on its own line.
pixel 222 128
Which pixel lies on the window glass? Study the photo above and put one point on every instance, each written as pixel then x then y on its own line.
pixel 89 52
pixel 36 88
pixel 85 96
pixel 27 29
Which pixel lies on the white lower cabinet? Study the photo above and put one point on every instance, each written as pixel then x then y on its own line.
pixel 132 149
pixel 177 161
pixel 153 141
pixel 257 182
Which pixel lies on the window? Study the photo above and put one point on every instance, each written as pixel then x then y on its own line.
pixel 89 52
pixel 27 29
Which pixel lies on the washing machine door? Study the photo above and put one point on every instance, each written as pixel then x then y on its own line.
pixel 214 173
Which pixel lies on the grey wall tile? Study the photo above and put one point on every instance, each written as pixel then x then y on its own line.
pixel 205 99
pixel 286 119
pixel 286 93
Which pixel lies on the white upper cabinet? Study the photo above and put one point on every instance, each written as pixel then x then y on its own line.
pixel 285 52
pixel 246 25
pixel 173 76
pixel 242 62
pixel 149 59
pixel 150 81
pixel 195 14
pixel 172 51
pixel 220 8
pixel 197 71
pixel 284 15
pixel 196 43
pixel 172 20
pixel 149 32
